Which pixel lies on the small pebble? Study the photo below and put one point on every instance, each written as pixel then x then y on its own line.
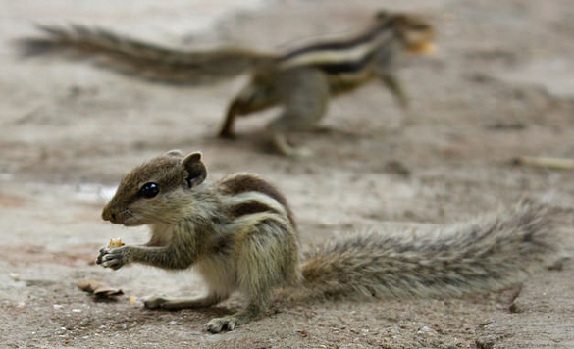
pixel 426 330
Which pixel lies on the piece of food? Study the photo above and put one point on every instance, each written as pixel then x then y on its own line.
pixel 115 243
pixel 98 289
pixel 428 48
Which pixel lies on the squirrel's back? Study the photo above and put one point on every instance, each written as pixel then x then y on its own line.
pixel 342 57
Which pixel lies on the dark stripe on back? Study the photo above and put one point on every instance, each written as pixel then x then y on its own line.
pixel 250 207
pixel 339 45
pixel 242 183
pixel 346 67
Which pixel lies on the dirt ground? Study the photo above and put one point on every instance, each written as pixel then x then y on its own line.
pixel 501 86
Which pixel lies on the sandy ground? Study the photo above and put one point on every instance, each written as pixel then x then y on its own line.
pixel 500 87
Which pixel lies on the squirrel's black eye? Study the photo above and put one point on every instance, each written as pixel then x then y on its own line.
pixel 149 190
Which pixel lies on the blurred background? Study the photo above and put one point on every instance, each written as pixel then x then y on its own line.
pixel 499 88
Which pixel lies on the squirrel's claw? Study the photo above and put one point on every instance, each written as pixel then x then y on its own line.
pixel 113 258
pixel 226 323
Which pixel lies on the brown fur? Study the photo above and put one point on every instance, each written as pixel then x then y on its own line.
pixel 239 235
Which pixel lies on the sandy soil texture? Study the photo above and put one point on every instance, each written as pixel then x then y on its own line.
pixel 501 86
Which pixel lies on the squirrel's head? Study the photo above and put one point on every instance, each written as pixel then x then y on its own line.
pixel 415 33
pixel 153 192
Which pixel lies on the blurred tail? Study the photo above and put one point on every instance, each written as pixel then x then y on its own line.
pixel 144 59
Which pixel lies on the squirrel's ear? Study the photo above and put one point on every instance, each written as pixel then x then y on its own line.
pixel 195 171
pixel 176 153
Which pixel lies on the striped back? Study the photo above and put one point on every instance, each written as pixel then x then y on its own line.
pixel 252 195
pixel 346 56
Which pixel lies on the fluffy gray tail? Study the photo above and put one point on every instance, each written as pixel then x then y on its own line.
pixel 486 255
pixel 136 57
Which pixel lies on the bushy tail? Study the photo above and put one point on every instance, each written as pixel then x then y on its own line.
pixel 486 255
pixel 144 59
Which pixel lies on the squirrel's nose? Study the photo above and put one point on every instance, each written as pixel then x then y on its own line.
pixel 108 216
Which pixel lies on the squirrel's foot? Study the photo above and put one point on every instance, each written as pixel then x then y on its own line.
pixel 299 153
pixel 283 146
pixel 227 133
pixel 114 258
pixel 155 302
pixel 226 323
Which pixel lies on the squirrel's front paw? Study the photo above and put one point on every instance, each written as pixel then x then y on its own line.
pixel 114 258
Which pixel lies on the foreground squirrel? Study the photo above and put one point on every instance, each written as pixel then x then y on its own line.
pixel 301 81
pixel 240 235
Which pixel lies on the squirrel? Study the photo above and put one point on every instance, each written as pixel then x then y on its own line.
pixel 301 80
pixel 240 234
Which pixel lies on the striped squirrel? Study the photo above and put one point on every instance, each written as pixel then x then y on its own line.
pixel 240 235
pixel 301 81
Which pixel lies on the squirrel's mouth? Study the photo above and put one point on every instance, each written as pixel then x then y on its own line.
pixel 130 221
pixel 125 217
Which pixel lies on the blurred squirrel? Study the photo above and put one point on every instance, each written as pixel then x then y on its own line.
pixel 240 235
pixel 301 81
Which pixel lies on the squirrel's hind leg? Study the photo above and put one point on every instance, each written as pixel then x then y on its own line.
pixel 183 303
pixel 258 95
pixel 266 259
pixel 304 94
pixel 259 297
pixel 227 130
